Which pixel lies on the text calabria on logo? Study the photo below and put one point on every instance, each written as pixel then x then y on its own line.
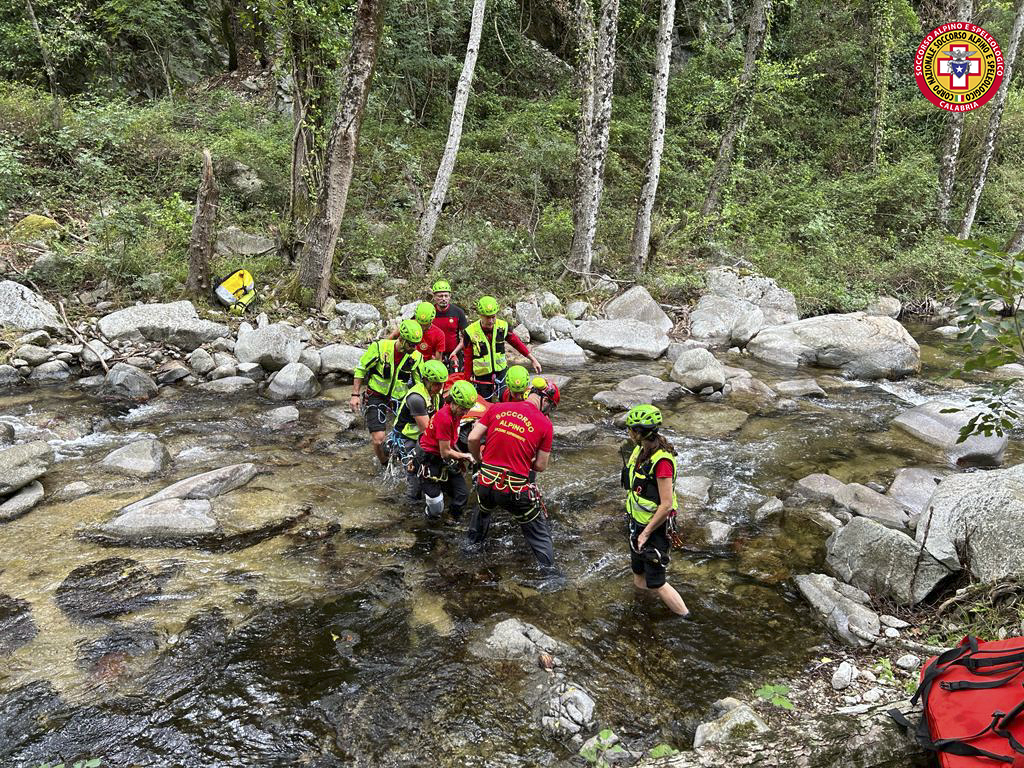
pixel 958 66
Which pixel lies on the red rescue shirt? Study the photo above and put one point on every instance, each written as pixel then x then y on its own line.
pixel 442 427
pixel 433 341
pixel 663 468
pixel 515 433
pixel 451 323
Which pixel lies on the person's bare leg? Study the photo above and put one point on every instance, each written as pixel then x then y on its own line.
pixel 671 598
pixel 378 447
pixel 638 582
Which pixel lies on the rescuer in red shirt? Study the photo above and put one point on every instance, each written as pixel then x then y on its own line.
pixel 442 462
pixel 431 346
pixel 451 320
pixel 519 436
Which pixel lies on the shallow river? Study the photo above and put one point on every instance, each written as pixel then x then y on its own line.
pixel 345 640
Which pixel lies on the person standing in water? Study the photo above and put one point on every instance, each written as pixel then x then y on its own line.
pixel 649 479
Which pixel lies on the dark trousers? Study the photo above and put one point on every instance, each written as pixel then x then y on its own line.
pixel 527 512
pixel 439 479
pixel 408 453
pixel 491 386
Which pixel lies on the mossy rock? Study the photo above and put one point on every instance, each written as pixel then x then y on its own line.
pixel 35 227
pixel 662 750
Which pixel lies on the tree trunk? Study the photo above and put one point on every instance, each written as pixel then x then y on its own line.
pixel 1016 244
pixel 600 114
pixel 652 170
pixel 204 231
pixel 229 28
pixel 314 278
pixel 51 74
pixel 428 222
pixel 883 13
pixel 757 35
pixel 995 118
pixel 584 87
pixel 951 147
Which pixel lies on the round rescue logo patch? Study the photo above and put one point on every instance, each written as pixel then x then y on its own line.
pixel 958 66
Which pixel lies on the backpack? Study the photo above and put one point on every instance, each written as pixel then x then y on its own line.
pixel 973 698
pixel 237 291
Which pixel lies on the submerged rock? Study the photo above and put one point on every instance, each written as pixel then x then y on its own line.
pixel 16 625
pixel 108 588
pixel 207 485
pixel 515 639
pixel 167 519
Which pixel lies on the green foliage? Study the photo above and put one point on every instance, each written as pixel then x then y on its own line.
pixel 662 750
pixel 885 671
pixel 775 695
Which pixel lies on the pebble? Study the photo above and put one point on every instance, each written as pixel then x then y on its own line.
pixel 851 700
pixel 892 621
pixel 859 709
pixel 868 675
pixel 908 662
pixel 891 633
pixel 842 678
pixel 873 695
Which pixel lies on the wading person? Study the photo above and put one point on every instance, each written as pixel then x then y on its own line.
pixel 518 442
pixel 649 479
pixel 443 462
pixel 387 367
pixel 413 417
pixel 484 350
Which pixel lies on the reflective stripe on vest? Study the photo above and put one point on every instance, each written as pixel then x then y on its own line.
pixel 643 498
pixel 488 354
pixel 412 429
pixel 388 379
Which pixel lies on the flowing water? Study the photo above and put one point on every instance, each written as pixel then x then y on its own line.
pixel 346 639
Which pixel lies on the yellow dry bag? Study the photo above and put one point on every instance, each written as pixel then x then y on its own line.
pixel 236 291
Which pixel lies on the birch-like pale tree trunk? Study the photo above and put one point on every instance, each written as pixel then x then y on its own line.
pixel 652 170
pixel 951 147
pixel 882 13
pixel 582 250
pixel 51 74
pixel 1016 244
pixel 314 274
pixel 995 119
pixel 432 212
pixel 204 231
pixel 743 104
pixel 583 84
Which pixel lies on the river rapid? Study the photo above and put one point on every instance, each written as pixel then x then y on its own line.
pixel 346 639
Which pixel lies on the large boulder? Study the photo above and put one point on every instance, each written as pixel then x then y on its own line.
pixel 860 500
pixel 776 304
pixel 929 424
pixel 272 347
pixel 339 358
pixel 53 372
pixel 638 389
pixel 637 304
pixel 863 346
pixel 127 381
pixel 353 315
pixel 912 488
pixel 697 369
pixel 21 464
pixel 843 608
pixel 176 323
pixel 980 516
pixel 143 458
pixel 24 310
pixel 883 562
pixel 232 241
pixel 293 382
pixel 530 315
pixel 622 338
pixel 725 320
pixel 564 353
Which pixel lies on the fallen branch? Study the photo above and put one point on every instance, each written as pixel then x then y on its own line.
pixel 80 337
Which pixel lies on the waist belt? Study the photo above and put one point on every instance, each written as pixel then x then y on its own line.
pixel 500 478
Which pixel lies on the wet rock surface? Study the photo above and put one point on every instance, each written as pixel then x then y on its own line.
pixel 16 625
pixel 108 588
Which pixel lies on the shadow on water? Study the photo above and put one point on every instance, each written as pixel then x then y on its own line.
pixel 347 638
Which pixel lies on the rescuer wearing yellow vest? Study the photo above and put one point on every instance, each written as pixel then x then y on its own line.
pixel 388 367
pixel 649 479
pixel 412 418
pixel 484 350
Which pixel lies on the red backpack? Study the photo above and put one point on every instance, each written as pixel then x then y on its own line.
pixel 973 698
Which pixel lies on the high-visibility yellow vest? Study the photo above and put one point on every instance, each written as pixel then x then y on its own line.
pixel 488 353
pixel 643 497
pixel 405 423
pixel 378 368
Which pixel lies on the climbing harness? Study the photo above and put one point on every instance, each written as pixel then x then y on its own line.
pixel 504 481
